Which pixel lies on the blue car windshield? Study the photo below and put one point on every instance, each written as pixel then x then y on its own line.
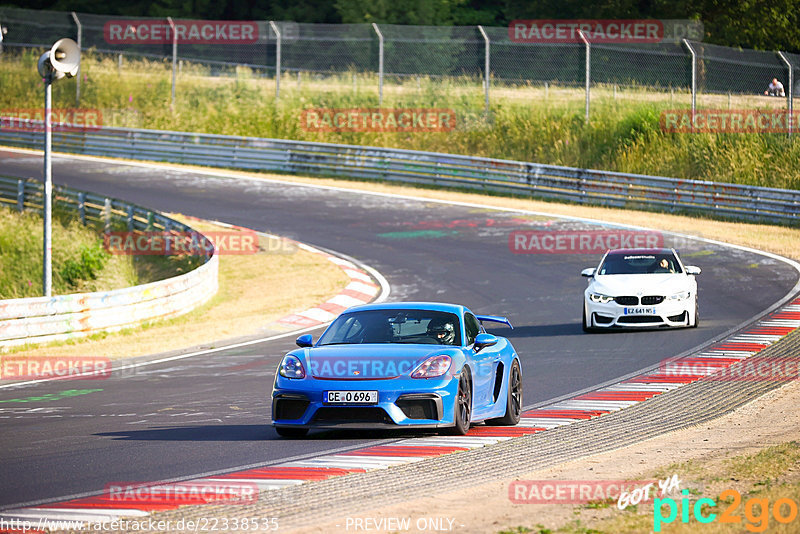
pixel 394 326
pixel 640 264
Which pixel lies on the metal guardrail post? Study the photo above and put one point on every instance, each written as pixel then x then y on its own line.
pixel 380 63
pixel 167 229
pixel 694 78
pixel 78 75
pixel 277 58
pixel 82 207
pixel 789 99
pixel 174 58
pixel 107 216
pixel 588 71
pixel 20 195
pixel 130 217
pixel 486 68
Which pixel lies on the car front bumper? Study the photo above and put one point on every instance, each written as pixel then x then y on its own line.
pixel 402 402
pixel 666 314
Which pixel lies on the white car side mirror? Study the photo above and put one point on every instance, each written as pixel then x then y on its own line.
pixel 588 273
pixel 691 269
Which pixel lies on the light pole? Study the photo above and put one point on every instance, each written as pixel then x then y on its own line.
pixel 63 59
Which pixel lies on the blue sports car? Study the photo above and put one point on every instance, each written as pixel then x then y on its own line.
pixel 399 365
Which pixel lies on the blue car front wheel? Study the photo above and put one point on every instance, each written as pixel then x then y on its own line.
pixel 463 405
pixel 514 400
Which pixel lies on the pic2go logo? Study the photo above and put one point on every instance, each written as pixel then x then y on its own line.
pixel 756 511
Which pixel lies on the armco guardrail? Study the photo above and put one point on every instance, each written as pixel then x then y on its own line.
pixel 486 174
pixel 44 319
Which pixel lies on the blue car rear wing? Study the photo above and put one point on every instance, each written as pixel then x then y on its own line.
pixel 494 319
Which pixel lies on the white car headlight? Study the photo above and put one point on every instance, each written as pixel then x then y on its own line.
pixel 292 367
pixel 683 295
pixel 599 297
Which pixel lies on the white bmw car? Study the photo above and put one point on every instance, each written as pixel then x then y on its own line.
pixel 640 288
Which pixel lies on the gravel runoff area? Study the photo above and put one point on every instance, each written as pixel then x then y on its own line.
pixel 312 504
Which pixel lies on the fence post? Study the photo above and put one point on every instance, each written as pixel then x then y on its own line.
pixel 107 216
pixel 130 217
pixel 694 77
pixel 82 207
pixel 20 195
pixel 588 71
pixel 174 58
pixel 277 58
pixel 167 245
pixel 789 102
pixel 78 75
pixel 380 63
pixel 486 68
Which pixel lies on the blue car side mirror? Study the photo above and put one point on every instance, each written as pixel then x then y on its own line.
pixel 305 341
pixel 484 340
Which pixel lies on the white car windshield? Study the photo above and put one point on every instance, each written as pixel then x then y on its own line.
pixel 394 326
pixel 636 263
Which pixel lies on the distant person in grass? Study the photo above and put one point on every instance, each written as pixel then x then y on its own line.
pixel 775 88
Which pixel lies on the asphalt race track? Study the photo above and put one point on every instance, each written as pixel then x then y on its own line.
pixel 210 412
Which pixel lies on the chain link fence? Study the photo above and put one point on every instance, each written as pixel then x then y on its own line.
pixel 413 64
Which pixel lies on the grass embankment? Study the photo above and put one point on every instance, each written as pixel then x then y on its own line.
pixel 527 123
pixel 254 289
pixel 762 480
pixel 80 264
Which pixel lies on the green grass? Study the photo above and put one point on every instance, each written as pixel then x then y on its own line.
pixel 769 474
pixel 524 124
pixel 79 263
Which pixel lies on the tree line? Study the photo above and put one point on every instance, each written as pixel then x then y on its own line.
pixel 757 24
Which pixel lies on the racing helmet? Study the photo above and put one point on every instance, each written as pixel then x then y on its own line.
pixel 442 331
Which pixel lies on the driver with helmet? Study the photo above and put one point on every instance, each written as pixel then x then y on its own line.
pixel 442 331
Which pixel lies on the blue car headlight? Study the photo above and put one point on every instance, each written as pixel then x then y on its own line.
pixel 600 298
pixel 432 367
pixel 291 367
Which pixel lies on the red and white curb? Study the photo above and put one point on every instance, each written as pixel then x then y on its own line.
pixel 720 355
pixel 360 290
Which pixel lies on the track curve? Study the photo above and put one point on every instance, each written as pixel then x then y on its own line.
pixel 176 420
